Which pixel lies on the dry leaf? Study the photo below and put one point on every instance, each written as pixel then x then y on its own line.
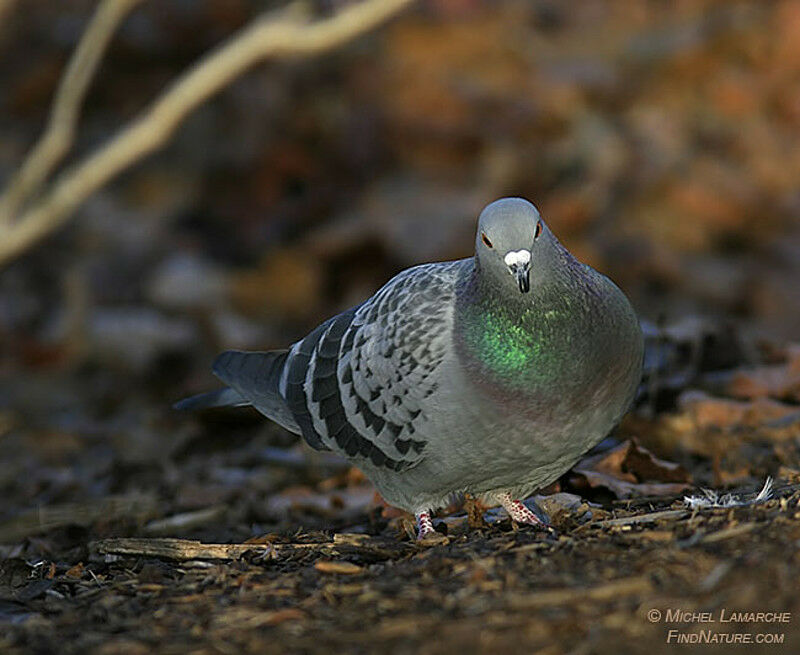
pixel 76 571
pixel 629 470
pixel 708 412
pixel 781 381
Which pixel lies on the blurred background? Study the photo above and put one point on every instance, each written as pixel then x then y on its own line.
pixel 659 140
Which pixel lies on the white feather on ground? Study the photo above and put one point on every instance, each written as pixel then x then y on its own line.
pixel 711 498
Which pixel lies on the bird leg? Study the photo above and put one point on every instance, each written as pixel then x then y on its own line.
pixel 520 513
pixel 424 525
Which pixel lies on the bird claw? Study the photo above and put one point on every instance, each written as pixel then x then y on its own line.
pixel 519 513
pixel 425 530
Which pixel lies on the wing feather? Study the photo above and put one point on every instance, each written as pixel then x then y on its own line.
pixel 360 381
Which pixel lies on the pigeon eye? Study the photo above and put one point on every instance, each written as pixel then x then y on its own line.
pixel 486 240
pixel 538 230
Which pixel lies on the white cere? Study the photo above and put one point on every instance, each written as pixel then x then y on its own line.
pixel 517 258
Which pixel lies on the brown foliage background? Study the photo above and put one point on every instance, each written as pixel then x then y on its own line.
pixel 661 141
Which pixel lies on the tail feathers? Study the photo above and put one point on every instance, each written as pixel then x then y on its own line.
pixel 252 373
pixel 220 398
pixel 256 377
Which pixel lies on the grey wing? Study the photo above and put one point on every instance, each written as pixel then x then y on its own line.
pixel 358 384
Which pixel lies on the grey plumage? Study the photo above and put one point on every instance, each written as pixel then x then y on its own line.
pixel 490 375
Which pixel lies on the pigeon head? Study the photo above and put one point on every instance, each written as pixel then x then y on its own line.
pixel 511 239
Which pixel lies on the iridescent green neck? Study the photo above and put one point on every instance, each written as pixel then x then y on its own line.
pixel 521 344
pixel 502 343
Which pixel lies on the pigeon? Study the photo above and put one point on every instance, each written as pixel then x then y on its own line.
pixel 490 375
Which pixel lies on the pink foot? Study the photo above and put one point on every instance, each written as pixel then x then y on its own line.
pixel 424 525
pixel 520 513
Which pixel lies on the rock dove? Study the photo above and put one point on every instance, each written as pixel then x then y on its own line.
pixel 490 375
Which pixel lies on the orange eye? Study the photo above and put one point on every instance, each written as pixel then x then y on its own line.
pixel 538 230
pixel 486 240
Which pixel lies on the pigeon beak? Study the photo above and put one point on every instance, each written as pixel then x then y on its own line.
pixel 523 274
pixel 519 265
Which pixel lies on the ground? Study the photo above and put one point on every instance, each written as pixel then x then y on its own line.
pixel 237 539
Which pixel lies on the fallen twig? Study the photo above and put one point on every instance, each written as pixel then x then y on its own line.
pixel 185 549
pixel 651 517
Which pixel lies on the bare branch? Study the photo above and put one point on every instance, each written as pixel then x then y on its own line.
pixel 60 134
pixel 286 36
